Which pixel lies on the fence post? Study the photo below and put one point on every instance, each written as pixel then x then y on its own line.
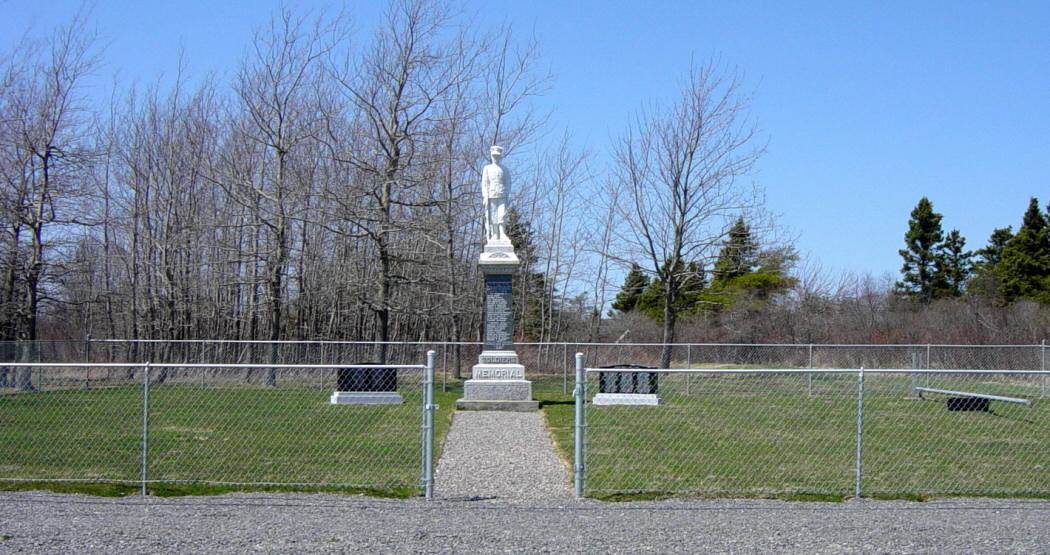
pixel 428 427
pixel 858 475
pixel 564 368
pixel 926 364
pixel 144 475
pixel 579 393
pixel 689 365
pixel 1042 366
pixel 809 375
pixel 87 359
pixel 916 376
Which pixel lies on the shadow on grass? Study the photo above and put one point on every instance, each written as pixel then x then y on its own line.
pixel 98 489
pixel 103 489
pixel 663 495
pixel 920 497
pixel 807 497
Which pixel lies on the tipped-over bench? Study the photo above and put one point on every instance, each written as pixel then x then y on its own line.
pixel 967 401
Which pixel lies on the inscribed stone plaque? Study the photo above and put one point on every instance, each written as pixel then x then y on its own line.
pixel 486 358
pixel 499 318
pixel 513 372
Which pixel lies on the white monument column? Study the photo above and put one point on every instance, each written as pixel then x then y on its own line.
pixel 498 379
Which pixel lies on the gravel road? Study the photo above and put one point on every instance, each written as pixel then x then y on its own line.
pixel 500 456
pixel 46 522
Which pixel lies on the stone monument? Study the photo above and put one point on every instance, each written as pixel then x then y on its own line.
pixel 498 379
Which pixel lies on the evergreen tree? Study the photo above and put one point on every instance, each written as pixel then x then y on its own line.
pixel 530 287
pixel 1033 218
pixel 651 301
pixel 737 256
pixel 689 300
pixel 743 272
pixel 955 265
pixel 693 286
pixel 993 253
pixel 922 258
pixel 1024 270
pixel 633 286
pixel 985 281
pixel 520 232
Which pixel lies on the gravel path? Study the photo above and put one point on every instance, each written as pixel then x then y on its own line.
pixel 500 457
pixel 46 522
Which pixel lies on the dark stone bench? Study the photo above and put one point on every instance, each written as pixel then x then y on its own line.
pixel 366 379
pixel 628 382
pixel 366 386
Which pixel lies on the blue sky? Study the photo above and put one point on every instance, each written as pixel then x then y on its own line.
pixel 866 106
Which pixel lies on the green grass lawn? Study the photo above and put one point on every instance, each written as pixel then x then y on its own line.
pixel 766 436
pixel 204 440
pixel 728 436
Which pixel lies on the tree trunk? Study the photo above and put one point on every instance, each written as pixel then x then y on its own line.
pixel 275 324
pixel 24 375
pixel 670 320
pixel 383 311
pixel 276 278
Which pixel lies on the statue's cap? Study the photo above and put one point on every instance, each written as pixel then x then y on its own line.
pixel 497 150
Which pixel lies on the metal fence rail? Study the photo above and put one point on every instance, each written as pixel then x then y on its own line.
pixel 824 433
pixel 179 424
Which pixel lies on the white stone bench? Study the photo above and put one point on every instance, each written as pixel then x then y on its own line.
pixel 922 390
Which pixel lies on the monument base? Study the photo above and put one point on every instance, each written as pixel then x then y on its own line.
pixel 497 390
pixel 366 398
pixel 498 394
pixel 506 406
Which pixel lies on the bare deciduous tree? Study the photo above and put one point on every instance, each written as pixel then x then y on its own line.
pixel 46 142
pixel 681 169
pixel 390 141
pixel 277 88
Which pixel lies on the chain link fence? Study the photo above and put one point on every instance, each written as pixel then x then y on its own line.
pixel 733 419
pixel 825 433
pixel 170 426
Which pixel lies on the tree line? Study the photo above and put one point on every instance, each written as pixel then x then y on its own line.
pixel 947 293
pixel 1011 267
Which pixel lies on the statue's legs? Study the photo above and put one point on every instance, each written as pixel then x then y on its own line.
pixel 501 216
pixel 493 227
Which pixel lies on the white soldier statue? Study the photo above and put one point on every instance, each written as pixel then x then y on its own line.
pixel 495 188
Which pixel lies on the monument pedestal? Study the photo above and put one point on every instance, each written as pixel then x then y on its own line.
pixel 498 379
pixel 497 383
